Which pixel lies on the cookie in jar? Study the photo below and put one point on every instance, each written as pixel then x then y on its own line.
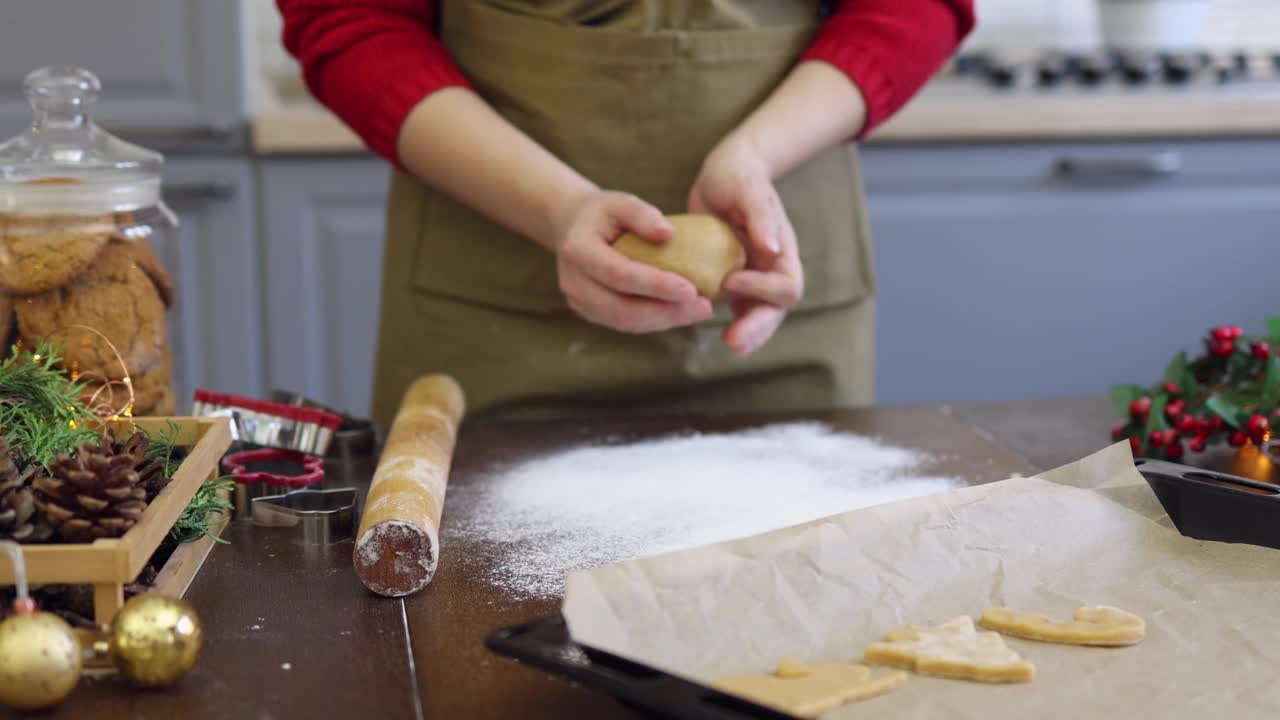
pixel 81 219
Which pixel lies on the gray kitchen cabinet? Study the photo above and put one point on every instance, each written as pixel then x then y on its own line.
pixel 322 241
pixel 172 70
pixel 1059 269
pixel 215 324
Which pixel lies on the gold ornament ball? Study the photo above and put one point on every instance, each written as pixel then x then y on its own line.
pixel 40 660
pixel 155 640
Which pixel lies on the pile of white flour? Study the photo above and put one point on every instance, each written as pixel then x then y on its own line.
pixel 595 505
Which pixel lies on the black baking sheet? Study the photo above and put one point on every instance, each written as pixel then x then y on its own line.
pixel 1202 504
pixel 545 644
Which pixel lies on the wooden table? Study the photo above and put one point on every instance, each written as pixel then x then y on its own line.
pixel 291 633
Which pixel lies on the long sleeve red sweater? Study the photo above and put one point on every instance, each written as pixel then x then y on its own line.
pixel 372 61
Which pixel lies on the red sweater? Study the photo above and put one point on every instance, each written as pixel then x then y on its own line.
pixel 372 61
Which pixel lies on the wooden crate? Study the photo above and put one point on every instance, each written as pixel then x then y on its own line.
pixel 110 564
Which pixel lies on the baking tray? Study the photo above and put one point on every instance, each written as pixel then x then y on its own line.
pixel 1203 504
pixel 1208 505
pixel 545 644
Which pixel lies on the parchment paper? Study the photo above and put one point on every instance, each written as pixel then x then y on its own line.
pixel 1087 533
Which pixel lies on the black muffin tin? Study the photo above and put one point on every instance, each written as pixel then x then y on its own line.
pixel 1208 505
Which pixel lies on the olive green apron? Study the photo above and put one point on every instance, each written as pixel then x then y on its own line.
pixel 633 94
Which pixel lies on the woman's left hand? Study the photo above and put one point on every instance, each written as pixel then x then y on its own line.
pixel 736 185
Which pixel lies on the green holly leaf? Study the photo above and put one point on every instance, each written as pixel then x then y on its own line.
pixel 1238 367
pixel 1191 388
pixel 1273 329
pixel 1156 421
pixel 1223 408
pixel 1238 398
pixel 1270 395
pixel 1176 370
pixel 1122 395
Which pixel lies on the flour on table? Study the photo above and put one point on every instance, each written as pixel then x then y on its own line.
pixel 594 505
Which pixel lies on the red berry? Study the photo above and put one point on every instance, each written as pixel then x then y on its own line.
pixel 1216 423
pixel 1186 424
pixel 1223 348
pixel 1117 432
pixel 1198 443
pixel 1261 350
pixel 1238 438
pixel 1140 407
pixel 1172 388
pixel 1174 408
pixel 1235 332
pixel 1220 333
pixel 1156 439
pixel 1258 426
pixel 1135 445
pixel 1174 451
pixel 1203 426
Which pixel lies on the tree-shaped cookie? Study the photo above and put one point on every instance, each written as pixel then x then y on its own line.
pixel 810 690
pixel 1100 626
pixel 955 649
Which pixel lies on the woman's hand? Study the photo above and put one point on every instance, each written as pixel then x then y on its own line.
pixel 736 185
pixel 606 288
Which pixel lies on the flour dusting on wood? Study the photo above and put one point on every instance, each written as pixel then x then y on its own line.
pixel 594 505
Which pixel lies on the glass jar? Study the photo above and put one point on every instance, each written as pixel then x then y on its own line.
pixel 80 210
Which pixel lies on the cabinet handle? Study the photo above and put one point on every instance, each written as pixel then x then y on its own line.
pixel 206 190
pixel 1160 165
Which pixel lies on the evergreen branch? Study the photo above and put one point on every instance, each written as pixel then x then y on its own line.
pixel 196 520
pixel 161 444
pixel 41 414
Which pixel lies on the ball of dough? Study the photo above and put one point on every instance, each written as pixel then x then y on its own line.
pixel 702 250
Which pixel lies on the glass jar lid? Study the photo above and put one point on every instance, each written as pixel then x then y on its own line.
pixel 65 163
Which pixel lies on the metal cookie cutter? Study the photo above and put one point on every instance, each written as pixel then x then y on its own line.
pixel 354 438
pixel 270 471
pixel 323 517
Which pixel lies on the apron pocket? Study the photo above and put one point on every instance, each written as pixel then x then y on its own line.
pixel 462 255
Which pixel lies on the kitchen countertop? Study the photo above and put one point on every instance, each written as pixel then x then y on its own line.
pixel 299 126
pixel 292 634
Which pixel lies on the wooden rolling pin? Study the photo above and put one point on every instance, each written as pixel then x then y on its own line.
pixel 398 543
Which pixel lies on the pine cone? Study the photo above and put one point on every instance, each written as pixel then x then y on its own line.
pixel 95 493
pixel 18 517
pixel 150 470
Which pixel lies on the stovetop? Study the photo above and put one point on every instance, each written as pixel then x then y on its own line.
pixel 1113 70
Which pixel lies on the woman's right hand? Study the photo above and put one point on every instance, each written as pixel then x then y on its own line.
pixel 608 289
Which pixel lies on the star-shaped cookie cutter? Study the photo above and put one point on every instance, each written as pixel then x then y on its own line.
pixel 322 517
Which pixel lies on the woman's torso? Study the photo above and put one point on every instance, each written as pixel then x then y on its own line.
pixel 633 94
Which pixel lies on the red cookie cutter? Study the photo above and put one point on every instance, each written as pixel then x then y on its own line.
pixel 312 467
pixel 261 483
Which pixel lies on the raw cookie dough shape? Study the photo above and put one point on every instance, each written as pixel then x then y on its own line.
pixel 955 650
pixel 790 668
pixel 1099 626
pixel 703 250
pixel 810 691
